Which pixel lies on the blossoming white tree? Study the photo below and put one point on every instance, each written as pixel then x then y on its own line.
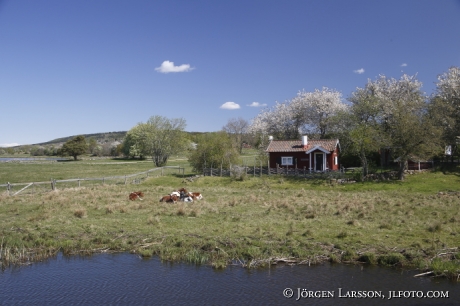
pixel 403 118
pixel 315 110
pixel 308 112
pixel 445 105
pixel 279 121
pixel 363 130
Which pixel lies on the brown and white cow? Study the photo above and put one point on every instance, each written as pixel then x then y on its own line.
pixel 195 195
pixel 169 199
pixel 136 195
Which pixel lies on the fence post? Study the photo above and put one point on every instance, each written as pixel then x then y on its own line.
pixel 211 170
pixel 125 179
pixel 162 171
pixel 78 183
pixel 103 180
pixel 8 187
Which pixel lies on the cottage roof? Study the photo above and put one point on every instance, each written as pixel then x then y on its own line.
pixel 296 145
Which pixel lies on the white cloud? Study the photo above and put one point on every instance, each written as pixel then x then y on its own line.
pixel 230 105
pixel 6 145
pixel 359 71
pixel 256 104
pixel 403 65
pixel 167 67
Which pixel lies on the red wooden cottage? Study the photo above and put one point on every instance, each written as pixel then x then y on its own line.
pixel 315 155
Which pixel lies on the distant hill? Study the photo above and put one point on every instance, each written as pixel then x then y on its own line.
pixel 100 138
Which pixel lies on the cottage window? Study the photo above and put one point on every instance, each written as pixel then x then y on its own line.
pixel 335 160
pixel 286 161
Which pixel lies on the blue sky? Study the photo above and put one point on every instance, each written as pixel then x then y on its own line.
pixel 90 66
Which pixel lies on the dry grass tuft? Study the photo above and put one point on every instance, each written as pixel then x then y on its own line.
pixel 196 211
pixel 385 225
pixel 137 206
pixel 123 209
pixel 80 213
pixel 435 228
pixel 109 209
pixel 181 211
pixel 352 222
pixel 153 220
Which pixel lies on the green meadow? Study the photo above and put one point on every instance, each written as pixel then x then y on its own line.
pixel 253 222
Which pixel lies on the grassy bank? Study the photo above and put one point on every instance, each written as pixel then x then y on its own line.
pixel 256 222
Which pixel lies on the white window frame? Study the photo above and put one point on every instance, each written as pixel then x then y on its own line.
pixel 336 160
pixel 287 160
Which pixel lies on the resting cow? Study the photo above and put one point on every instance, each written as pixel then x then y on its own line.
pixel 195 195
pixel 187 199
pixel 136 195
pixel 169 199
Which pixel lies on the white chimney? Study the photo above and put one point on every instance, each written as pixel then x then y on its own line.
pixel 304 141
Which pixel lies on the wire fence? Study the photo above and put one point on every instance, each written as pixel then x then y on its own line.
pixel 40 187
pixel 259 171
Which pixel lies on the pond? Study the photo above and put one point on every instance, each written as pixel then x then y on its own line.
pixel 127 279
pixel 26 159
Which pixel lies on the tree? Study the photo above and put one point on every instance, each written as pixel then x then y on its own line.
pixel 445 106
pixel 74 147
pixel 308 112
pixel 92 146
pixel 165 137
pixel 135 141
pixel 364 135
pixel 315 110
pixel 404 120
pixel 279 121
pixel 159 138
pixel 213 150
pixel 236 128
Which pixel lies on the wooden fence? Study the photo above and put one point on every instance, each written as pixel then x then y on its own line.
pixel 39 187
pixel 259 171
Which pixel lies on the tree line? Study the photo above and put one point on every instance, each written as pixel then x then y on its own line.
pixel 385 113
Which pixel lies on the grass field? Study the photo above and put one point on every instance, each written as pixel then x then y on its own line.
pixel 254 222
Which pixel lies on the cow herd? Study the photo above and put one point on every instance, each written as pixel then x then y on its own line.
pixel 181 195
pixel 175 196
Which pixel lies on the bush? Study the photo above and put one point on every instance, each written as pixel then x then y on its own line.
pixel 238 173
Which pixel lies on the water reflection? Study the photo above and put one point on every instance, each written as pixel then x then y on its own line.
pixel 125 279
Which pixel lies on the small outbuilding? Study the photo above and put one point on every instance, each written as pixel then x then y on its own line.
pixel 314 155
